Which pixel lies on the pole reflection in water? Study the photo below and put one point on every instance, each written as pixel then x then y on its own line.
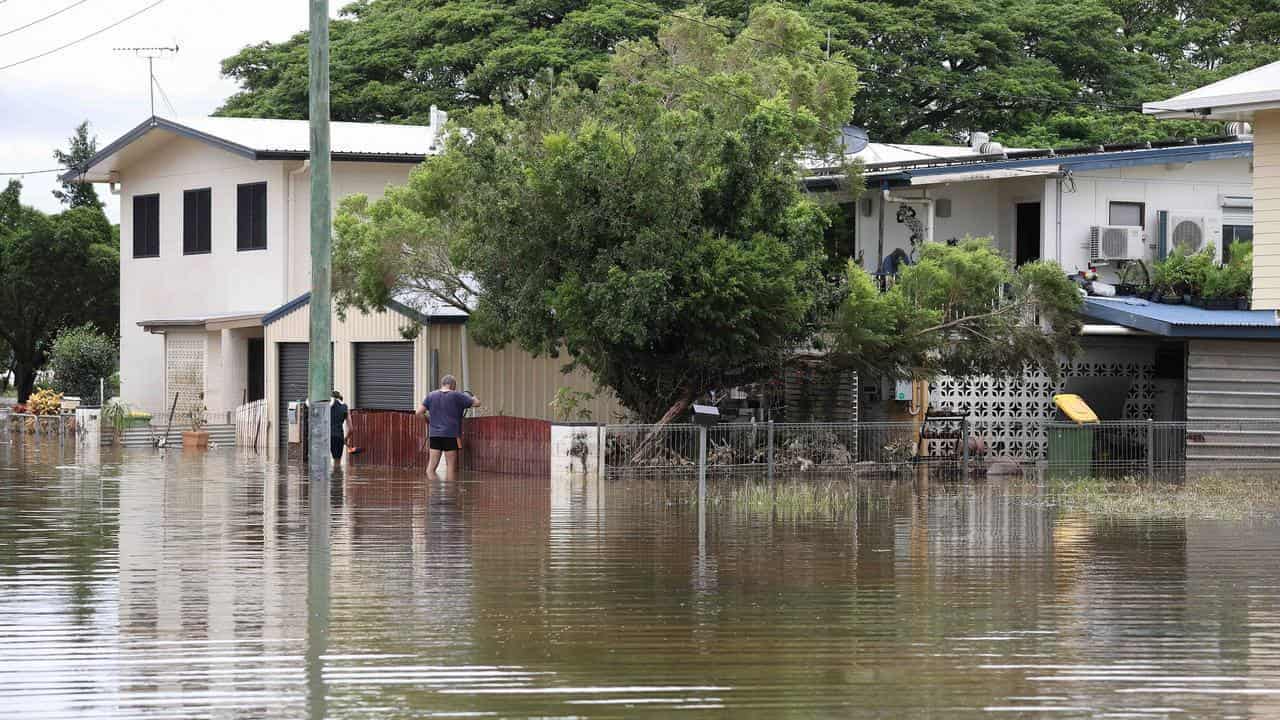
pixel 318 590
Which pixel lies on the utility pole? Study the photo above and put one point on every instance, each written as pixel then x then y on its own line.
pixel 150 53
pixel 320 355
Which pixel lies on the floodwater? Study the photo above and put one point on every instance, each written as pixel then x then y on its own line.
pixel 184 586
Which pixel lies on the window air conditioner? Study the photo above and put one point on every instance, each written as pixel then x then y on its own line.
pixel 1116 242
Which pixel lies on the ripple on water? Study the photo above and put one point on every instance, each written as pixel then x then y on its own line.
pixel 172 585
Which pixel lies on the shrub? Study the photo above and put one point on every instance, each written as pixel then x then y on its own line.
pixel 44 402
pixel 81 357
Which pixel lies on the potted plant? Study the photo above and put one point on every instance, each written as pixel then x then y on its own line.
pixel 1130 282
pixel 196 437
pixel 1218 291
pixel 115 414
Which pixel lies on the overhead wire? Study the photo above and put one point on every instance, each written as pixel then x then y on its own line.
pixel 81 39
pixel 39 20
pixel 32 172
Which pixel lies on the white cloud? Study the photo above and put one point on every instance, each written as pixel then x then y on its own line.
pixel 42 101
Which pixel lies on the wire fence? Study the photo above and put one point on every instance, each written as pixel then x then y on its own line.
pixel 950 446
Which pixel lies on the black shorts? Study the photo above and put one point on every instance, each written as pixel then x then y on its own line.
pixel 336 445
pixel 444 444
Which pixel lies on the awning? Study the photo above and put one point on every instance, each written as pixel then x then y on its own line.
pixel 1183 321
pixel 223 321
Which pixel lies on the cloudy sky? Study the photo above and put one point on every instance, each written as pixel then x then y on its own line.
pixel 42 101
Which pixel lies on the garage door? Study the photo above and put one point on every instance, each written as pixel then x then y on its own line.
pixel 384 376
pixel 293 382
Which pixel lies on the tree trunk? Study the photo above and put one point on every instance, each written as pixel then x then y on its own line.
pixel 681 405
pixel 25 380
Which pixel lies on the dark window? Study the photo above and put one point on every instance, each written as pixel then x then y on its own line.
pixel 146 226
pixel 1128 213
pixel 251 216
pixel 195 221
pixel 1232 234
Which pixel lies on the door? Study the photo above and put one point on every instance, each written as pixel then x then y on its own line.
pixel 384 376
pixel 1027 232
pixel 257 369
pixel 292 384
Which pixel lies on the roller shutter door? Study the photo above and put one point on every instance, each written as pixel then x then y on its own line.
pixel 384 376
pixel 293 383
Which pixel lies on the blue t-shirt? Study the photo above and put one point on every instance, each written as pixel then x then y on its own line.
pixel 445 408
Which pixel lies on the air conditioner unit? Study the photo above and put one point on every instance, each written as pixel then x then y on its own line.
pixel 1116 242
pixel 1193 232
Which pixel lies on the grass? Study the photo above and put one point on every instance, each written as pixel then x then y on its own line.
pixel 1211 497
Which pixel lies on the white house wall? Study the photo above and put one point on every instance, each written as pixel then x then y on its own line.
pixel 176 285
pixel 349 178
pixel 987 208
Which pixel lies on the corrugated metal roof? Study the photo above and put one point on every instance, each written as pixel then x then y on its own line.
pixel 1183 320
pixel 1232 98
pixel 270 139
pixel 294 136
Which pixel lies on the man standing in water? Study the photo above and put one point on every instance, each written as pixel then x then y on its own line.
pixel 337 427
pixel 444 408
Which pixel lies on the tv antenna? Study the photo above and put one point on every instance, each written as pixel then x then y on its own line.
pixel 150 53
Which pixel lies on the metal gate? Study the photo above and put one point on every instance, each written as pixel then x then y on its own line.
pixel 384 376
pixel 292 385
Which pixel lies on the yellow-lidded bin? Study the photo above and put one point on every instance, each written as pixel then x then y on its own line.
pixel 1070 449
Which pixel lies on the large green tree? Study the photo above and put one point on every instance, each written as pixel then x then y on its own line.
pixel 654 230
pixel 81 146
pixel 55 271
pixel 1039 72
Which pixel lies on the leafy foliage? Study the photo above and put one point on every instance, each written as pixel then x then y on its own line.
pixel 961 310
pixel 55 271
pixel 80 358
pixel 1038 72
pixel 81 147
pixel 654 230
pixel 44 402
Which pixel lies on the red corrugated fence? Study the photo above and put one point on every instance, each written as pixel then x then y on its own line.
pixel 495 444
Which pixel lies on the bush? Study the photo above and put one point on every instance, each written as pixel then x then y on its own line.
pixel 81 357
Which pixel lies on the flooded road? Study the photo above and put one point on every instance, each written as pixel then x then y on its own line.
pixel 181 586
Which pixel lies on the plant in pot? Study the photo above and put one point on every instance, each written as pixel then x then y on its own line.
pixel 196 437
pixel 1219 289
pixel 1167 280
pixel 1133 278
pixel 115 414
pixel 1240 273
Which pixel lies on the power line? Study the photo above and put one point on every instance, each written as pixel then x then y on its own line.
pixel 79 40
pixel 37 21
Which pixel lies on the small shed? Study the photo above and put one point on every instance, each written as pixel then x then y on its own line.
pixel 390 359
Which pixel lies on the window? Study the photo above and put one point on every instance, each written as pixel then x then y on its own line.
pixel 942 207
pixel 251 216
pixel 146 226
pixel 1242 234
pixel 195 221
pixel 1128 213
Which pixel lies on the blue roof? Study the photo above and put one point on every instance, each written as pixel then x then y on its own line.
pixel 1183 321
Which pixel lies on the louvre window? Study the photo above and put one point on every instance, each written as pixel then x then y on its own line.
pixel 146 226
pixel 251 216
pixel 196 231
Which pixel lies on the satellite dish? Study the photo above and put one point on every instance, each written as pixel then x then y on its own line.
pixel 853 138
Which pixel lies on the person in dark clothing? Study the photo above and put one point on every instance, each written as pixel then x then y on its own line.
pixel 444 409
pixel 337 432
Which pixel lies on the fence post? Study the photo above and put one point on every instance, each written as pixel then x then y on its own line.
pixel 1151 449
pixel 702 467
pixel 770 434
pixel 964 447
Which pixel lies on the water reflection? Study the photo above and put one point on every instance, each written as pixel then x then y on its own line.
pixel 216 585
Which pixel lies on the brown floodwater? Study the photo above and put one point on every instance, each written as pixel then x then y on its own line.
pixel 174 585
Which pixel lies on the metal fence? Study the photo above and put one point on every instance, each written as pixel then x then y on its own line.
pixel 956 447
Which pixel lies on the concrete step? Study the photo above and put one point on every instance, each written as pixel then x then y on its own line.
pixel 223 435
